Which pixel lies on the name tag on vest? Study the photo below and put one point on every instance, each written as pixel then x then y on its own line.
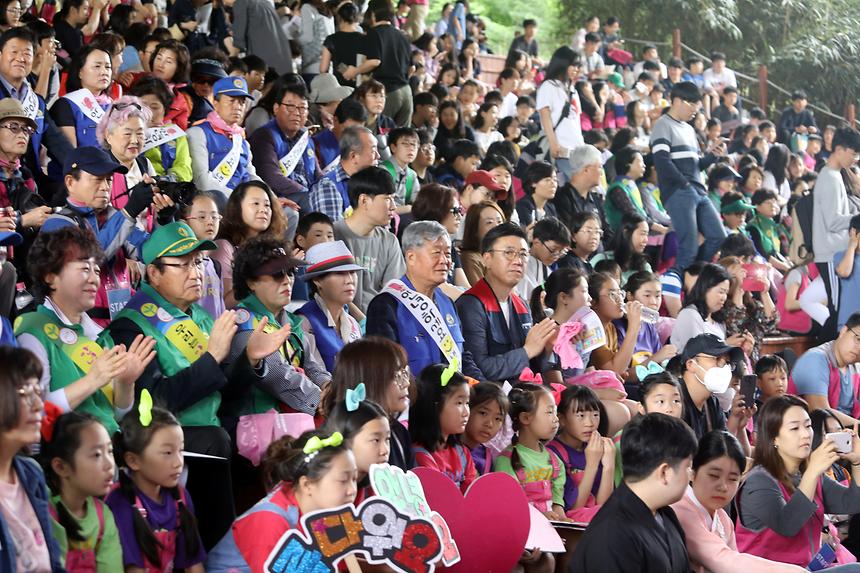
pixel 80 349
pixel 182 333
pixel 156 136
pixel 288 162
pixel 424 310
pixel 87 103
pixel 31 104
pixel 224 171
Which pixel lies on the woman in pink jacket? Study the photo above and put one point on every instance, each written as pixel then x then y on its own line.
pixel 709 530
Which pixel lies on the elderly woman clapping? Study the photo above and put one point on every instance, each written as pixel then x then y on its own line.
pixel 122 132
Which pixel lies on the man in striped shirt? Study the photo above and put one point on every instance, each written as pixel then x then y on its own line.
pixel 679 172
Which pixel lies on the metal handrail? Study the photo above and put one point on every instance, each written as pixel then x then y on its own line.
pixel 753 79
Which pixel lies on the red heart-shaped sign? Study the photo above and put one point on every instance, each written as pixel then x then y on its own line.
pixel 490 525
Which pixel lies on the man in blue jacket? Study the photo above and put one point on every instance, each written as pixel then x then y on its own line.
pixel 88 174
pixel 414 312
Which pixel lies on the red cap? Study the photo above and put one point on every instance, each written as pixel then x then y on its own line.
pixel 481 178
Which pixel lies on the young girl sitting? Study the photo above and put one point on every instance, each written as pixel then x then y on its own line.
pixel 315 471
pixel 437 419
pixel 153 512
pixel 628 246
pixel 79 469
pixel 366 429
pixel 588 456
pixel 563 293
pixel 644 287
pixel 488 407
pixel 647 288
pixel 535 421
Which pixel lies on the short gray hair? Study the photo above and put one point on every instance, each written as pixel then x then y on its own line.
pixel 583 156
pixel 420 232
pixel 350 140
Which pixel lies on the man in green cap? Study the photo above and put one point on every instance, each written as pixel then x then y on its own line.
pixel 734 208
pixel 191 371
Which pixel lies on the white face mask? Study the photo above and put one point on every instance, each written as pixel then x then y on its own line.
pixel 725 399
pixel 717 379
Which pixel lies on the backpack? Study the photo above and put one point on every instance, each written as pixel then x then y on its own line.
pixel 801 230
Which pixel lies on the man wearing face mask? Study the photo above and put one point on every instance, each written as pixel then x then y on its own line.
pixel 707 373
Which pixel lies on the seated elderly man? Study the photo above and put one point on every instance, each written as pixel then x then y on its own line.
pixel 191 370
pixel 220 155
pixel 429 332
pixel 89 174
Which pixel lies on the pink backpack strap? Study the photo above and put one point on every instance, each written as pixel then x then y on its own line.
pixel 100 513
pixel 521 473
pixel 556 466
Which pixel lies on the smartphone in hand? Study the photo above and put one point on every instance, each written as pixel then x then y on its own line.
pixel 748 385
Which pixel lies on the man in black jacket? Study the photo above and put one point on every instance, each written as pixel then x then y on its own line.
pixel 636 530
pixel 578 195
pixel 796 118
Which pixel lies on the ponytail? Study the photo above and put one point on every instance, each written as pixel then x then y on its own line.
pixel 536 305
pixel 187 523
pixel 143 534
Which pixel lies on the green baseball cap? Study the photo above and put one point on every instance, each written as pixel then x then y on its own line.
pixel 616 79
pixel 736 207
pixel 173 240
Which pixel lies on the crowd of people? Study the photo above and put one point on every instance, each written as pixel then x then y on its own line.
pixel 213 214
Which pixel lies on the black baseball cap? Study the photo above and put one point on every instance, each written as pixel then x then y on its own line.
pixel 711 345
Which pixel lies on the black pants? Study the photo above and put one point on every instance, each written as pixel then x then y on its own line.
pixel 209 481
pixel 828 331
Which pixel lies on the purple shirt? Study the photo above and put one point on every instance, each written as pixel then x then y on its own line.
pixel 574 461
pixel 648 340
pixel 161 517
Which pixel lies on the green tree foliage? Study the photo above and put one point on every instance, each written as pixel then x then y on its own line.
pixel 810 44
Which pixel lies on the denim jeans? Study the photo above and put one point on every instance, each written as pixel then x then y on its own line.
pixel 693 213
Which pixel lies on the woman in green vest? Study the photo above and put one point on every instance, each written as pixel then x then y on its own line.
pixel 263 275
pixel 623 196
pixel 82 369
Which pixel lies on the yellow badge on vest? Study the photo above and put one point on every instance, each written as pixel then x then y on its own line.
pixel 187 337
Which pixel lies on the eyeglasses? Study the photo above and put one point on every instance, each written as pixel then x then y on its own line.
pixel 719 361
pixel 300 109
pixel 554 252
pixel 403 377
pixel 32 395
pixel 591 231
pixel 210 217
pixel 616 295
pixel 427 148
pixel 856 336
pixel 194 264
pixel 17 128
pixel 511 254
pixel 13 10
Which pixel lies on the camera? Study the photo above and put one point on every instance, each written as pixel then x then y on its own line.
pixel 182 193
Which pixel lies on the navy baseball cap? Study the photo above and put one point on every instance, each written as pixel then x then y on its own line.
pixel 93 160
pixel 10 238
pixel 232 86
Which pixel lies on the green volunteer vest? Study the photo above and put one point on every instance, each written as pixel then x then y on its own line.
pixel 411 176
pixel 260 401
pixel 70 354
pixel 613 215
pixel 169 327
